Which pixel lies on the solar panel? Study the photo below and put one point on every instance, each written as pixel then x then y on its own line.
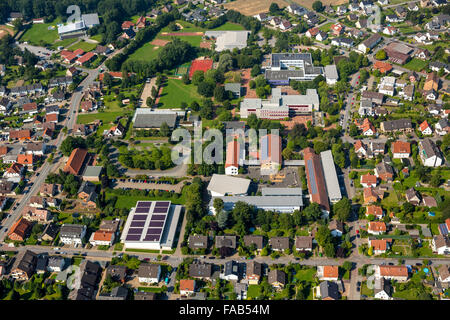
pixel 152 238
pixel 154 231
pixel 146 204
pixel 160 210
pixel 142 210
pixel 156 223
pixel 133 237
pixel 137 224
pixel 140 217
pixel 312 178
pixel 135 231
pixel 162 204
pixel 158 217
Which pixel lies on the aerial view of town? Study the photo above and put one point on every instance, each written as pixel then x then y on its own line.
pixel 224 150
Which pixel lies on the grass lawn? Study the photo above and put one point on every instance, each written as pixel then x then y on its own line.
pixel 63 43
pixel 145 53
pixel 86 46
pixel 128 202
pixel 192 40
pixel 118 246
pixel 176 92
pixel 365 290
pixel 435 229
pixel 230 26
pixel 305 275
pixel 326 27
pixel 391 200
pixel 150 289
pixel 97 37
pixel 253 291
pixel 39 34
pixel 187 27
pixel 416 64
pixel 106 117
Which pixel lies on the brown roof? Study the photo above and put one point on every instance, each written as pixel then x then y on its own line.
pixel 103 235
pixel 280 243
pixel 377 226
pixel 20 134
pixel 379 244
pixel 25 159
pixel 401 147
pixel 29 106
pixel 187 285
pixel 368 179
pixel 303 242
pixel 374 210
pixel 444 272
pixel 76 160
pixel 20 228
pixel 330 271
pixel 314 171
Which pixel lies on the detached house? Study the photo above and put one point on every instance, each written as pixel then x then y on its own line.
pixel 379 245
pixel 401 149
pixel 374 210
pixel 330 273
pixel 149 273
pixel 430 154
pixel 399 273
pixel 441 244
pixel 376 228
pixel 254 272
pixel 368 180
pixel 425 128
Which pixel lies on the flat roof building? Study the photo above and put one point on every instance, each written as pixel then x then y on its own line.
pixel 331 180
pixel 228 40
pixel 223 185
pixel 151 225
pixel 283 204
pixel 146 118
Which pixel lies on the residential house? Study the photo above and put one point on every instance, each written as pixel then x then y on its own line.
pixel 425 128
pixel 401 149
pixel 431 82
pixel 383 289
pixel 444 273
pixel 50 232
pixel 279 243
pixel 230 271
pixel 379 245
pixel 24 265
pixel 328 291
pixel 374 210
pixel 198 242
pixel 328 273
pixel 372 195
pixel 384 171
pixel 277 278
pixel 72 234
pixel 254 240
pixel 149 273
pixel 20 230
pixel 336 227
pixel 430 154
pixel 441 244
pixel 117 273
pixel 56 264
pixel 187 287
pixel 254 272
pixel 368 180
pixel 376 227
pixel 200 270
pixel 304 243
pixel 226 241
pixel 399 273
pixel 399 125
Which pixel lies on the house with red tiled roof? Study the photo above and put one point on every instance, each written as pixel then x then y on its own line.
pixel 376 227
pixel 330 273
pixel 337 29
pixel 76 160
pixel 367 128
pixel 85 58
pixel 360 148
pixel 311 33
pixel 25 159
pixel 102 238
pixel 187 287
pixel 372 195
pixel 52 117
pixel 316 180
pixel 20 134
pixel 14 172
pixel 379 245
pixel 425 128
pixel 368 180
pixel 141 22
pixel 127 25
pixel 382 66
pixel 399 273
pixel 374 210
pixel 20 230
pixel 401 149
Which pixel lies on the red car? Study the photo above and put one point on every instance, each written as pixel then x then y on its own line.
pixel 357 82
pixel 359 77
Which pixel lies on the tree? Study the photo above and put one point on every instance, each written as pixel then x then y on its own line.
pixel 219 93
pixel 274 8
pixel 347 265
pixel 205 89
pixel 164 130
pixel 435 180
pixel 317 6
pixel 185 78
pixel 342 209
pixel 256 70
pixel 218 205
pixel 222 219
pixel 380 55
pixel 370 251
pixel 408 207
pixel 198 77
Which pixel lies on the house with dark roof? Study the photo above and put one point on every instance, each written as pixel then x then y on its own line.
pixel 226 241
pixel 256 240
pixel 254 272
pixel 328 290
pixel 198 242
pixel 149 273
pixel 24 265
pixel 277 278
pixel 200 270
pixel 279 243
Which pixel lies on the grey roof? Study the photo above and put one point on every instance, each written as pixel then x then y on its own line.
pixel 372 41
pixel 147 270
pixel 92 171
pixel 146 118
pixel 202 270
pixel 224 184
pixel 331 180
pixel 72 230
pixel 329 289
pixel 228 40
pixel 303 242
pixel 198 242
pixel 140 295
pixel 277 276
pixel 258 240
pixel 398 124
pixel 233 87
pixel 90 19
pixel 26 262
pixel 280 243
pixel 55 261
pixel 226 241
pixel 282 192
pixel 231 268
pixel 331 72
pixel 430 148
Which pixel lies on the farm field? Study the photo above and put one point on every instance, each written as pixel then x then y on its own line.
pixel 86 46
pixel 253 7
pixel 308 3
pixel 39 34
pixel 176 92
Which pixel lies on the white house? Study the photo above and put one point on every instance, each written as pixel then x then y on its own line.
pixel 382 289
pixel 425 128
pixel 383 2
pixel 444 273
pixel 55 264
pixel 430 154
pixel 441 244
pixel 72 234
pixel 390 31
pixel 102 238
pixel 331 74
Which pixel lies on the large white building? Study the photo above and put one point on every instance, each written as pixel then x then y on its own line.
pixel 331 74
pixel 331 179
pixel 151 225
pixel 228 40
pixel 222 185
pixel 78 28
pixel 280 106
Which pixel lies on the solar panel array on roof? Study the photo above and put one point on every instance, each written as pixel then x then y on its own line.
pixel 133 237
pixel 443 229
pixel 158 217
pixel 137 224
pixel 156 223
pixel 142 210
pixel 154 230
pixel 312 178
pixel 140 217
pixel 144 204
pixel 160 210
pixel 135 230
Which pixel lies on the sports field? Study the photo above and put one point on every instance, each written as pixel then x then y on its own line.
pixel 192 40
pixel 145 53
pixel 4 30
pixel 39 34
pixel 176 92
